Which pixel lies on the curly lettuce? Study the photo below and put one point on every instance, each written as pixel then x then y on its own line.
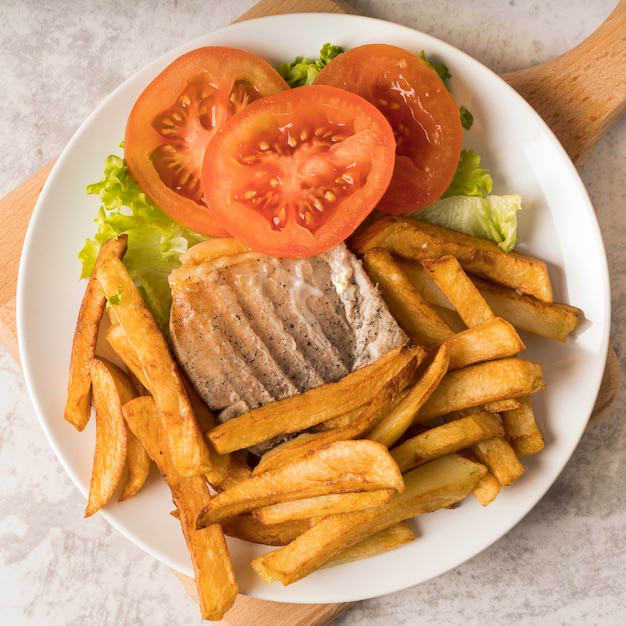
pixel 468 206
pixel 155 241
pixel 302 70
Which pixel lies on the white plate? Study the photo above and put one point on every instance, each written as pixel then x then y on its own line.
pixel 557 224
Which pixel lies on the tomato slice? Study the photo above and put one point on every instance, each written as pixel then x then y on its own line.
pixel 294 174
pixel 175 117
pixel 425 119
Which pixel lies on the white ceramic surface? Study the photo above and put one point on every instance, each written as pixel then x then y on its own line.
pixel 17 524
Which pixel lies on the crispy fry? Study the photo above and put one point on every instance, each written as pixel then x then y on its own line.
pixel 438 484
pixel 417 317
pixel 339 467
pixel 249 528
pixel 455 284
pixel 383 541
pixel 214 576
pixel 445 439
pixel 111 388
pixel 138 464
pixel 500 459
pixel 316 405
pixel 362 421
pixel 78 403
pixel 317 506
pixel 160 372
pixel 484 382
pixel 553 320
pixel 493 339
pixel 412 239
pixel 395 423
pixel 487 489
pixel 521 429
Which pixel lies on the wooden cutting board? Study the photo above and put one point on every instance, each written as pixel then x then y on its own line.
pixel 577 94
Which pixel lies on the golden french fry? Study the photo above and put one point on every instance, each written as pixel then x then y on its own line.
pixel 497 406
pixel 487 489
pixel 409 238
pixel 478 384
pixel 553 320
pixel 339 467
pixel 493 339
pixel 249 528
pixel 161 375
pixel 78 403
pixel 395 423
pixel 138 464
pixel 438 484
pixel 550 320
pixel 111 388
pixel 417 317
pixel 521 429
pixel 314 406
pixel 117 339
pixel 362 421
pixel 500 459
pixel 455 284
pixel 445 439
pixel 214 575
pixel 383 541
pixel 317 506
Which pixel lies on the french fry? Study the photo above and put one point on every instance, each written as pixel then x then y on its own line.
pixel 362 421
pixel 111 388
pixel 478 384
pixel 339 467
pixel 550 320
pixel 214 575
pixel 401 416
pixel 487 489
pixel 247 527
pixel 497 406
pixel 160 372
pixel 521 429
pixel 500 459
pixel 417 317
pixel 314 406
pixel 78 402
pixel 317 506
pixel 409 238
pixel 455 284
pixel 493 339
pixel 138 464
pixel 383 541
pixel 447 438
pixel 553 320
pixel 438 484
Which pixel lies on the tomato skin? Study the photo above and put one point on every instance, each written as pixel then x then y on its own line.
pixel 175 117
pixel 423 114
pixel 294 174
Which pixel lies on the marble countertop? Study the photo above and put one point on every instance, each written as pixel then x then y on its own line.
pixel 564 563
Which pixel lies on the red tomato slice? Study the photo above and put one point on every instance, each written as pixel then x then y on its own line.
pixel 425 119
pixel 175 117
pixel 295 173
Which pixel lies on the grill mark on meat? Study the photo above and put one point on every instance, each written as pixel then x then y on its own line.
pixel 212 375
pixel 264 319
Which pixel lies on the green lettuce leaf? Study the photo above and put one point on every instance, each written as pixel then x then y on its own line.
pixel 155 241
pixel 491 217
pixel 469 179
pixel 302 70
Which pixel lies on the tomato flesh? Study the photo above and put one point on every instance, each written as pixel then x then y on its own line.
pixel 421 111
pixel 295 173
pixel 176 116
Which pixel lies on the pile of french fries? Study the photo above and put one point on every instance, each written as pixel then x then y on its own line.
pixel 444 416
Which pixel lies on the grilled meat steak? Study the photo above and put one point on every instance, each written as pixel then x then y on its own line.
pixel 249 329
